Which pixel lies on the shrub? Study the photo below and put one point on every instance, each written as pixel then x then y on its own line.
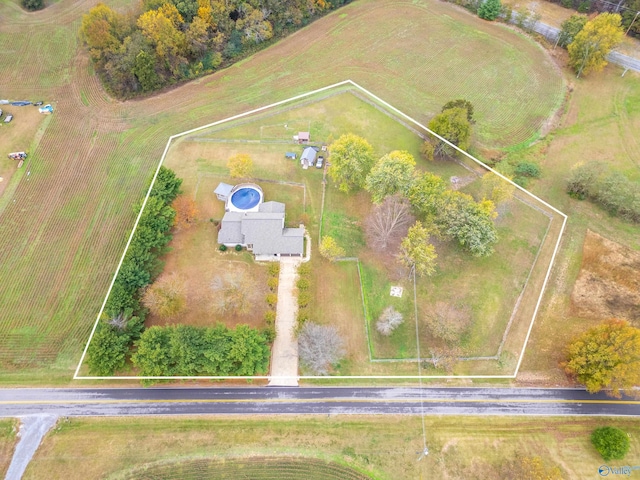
pixel 238 248
pixel 272 283
pixel 271 299
pixel 270 317
pixel 303 316
pixel 269 334
pixel 612 443
pixel 330 249
pixel 610 189
pixel 303 284
pixel 304 298
pixel 273 269
pixel 527 169
pixel 304 269
pixel 489 10
pixel 222 248
pixel 33 5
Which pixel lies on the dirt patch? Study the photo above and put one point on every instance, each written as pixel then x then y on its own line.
pixel 609 281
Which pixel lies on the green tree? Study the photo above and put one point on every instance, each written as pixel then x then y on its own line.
pixel 461 103
pixel 145 71
pixel 330 249
pixel 610 442
pixel 416 252
pixel 33 5
pixel 470 223
pixel 489 10
pixel 240 166
pixel 570 28
pixel 597 38
pixel 453 126
pixel 606 357
pixel 153 356
pixel 351 161
pixel 392 174
pixel 426 194
pixel 108 349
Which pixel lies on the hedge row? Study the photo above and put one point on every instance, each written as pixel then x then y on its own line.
pixel 122 321
pixel 188 350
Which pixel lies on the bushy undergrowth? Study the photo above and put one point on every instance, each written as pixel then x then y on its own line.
pixel 608 188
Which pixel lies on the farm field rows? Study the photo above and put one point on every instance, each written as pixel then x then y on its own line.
pixel 65 232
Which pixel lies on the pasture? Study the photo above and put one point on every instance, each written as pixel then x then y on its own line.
pixel 65 229
pixel 383 447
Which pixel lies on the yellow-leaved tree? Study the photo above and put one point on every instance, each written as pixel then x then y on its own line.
pixel 606 357
pixel 590 46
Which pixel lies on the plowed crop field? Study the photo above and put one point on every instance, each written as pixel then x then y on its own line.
pixel 63 232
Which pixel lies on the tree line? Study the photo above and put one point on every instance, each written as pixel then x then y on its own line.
pixel 162 42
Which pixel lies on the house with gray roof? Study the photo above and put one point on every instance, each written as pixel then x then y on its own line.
pixel 262 232
pixel 308 157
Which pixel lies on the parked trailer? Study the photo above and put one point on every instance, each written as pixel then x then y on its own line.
pixel 18 155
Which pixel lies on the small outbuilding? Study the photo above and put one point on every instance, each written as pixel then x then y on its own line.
pixel 308 157
pixel 290 155
pixel 303 137
pixel 222 191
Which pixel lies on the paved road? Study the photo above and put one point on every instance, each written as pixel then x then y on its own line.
pixel 625 61
pixel 283 400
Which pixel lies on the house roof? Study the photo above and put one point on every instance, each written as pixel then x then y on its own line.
pixel 303 135
pixel 263 230
pixel 231 228
pixel 223 189
pixel 271 207
pixel 308 154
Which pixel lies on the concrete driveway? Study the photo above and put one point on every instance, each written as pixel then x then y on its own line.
pixel 284 353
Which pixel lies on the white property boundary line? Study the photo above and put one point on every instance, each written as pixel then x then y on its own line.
pixel 76 375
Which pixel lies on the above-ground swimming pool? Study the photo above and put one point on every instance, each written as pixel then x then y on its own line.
pixel 245 198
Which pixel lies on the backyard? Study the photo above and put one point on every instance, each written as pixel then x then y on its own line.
pixel 483 295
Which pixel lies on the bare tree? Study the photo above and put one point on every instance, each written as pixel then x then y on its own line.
pixel 448 322
pixel 166 298
pixel 388 223
pixel 389 321
pixel 445 358
pixel 319 347
pixel 234 293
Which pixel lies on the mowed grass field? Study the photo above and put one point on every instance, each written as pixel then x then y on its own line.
pixel 63 233
pixel 382 446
